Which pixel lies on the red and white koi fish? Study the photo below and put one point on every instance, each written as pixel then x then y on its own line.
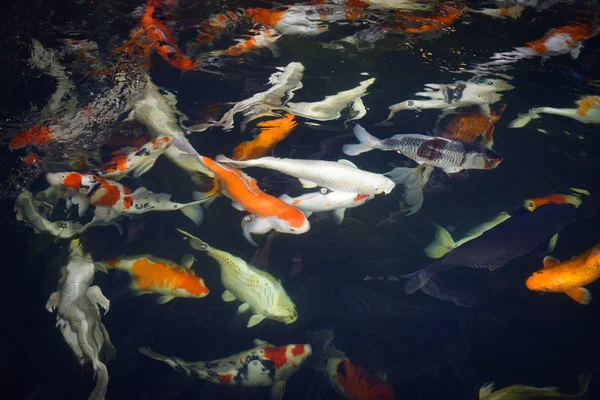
pixel 302 20
pixel 246 195
pixel 326 200
pixel 564 40
pixel 262 366
pixel 156 275
pixel 137 162
pixel 255 40
pixel 100 192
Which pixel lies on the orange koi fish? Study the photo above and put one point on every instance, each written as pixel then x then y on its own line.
pixel 416 24
pixel 218 24
pixel 569 276
pixel 258 39
pixel 156 275
pixel 467 128
pixel 271 133
pixel 154 33
pixel 138 161
pixel 38 136
pixel 246 195
pixel 574 199
pixel 100 192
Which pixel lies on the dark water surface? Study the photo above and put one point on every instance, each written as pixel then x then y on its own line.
pixel 428 348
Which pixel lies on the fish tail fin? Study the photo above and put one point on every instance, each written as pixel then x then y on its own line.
pixel 101 374
pixel 194 212
pixel 580 295
pixel 486 390
pixel 413 180
pixel 322 344
pixel 211 195
pixel 524 119
pixel 199 367
pixel 584 383
pixel 441 245
pixel 367 141
pixel 418 279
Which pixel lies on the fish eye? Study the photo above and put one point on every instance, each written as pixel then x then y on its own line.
pixel 324 190
pixel 292 230
pixel 204 246
pixel 248 218
pixel 490 82
pixel 410 103
pixel 82 361
pixel 175 206
pixel 530 204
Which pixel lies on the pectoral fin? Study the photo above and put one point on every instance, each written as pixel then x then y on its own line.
pixel 552 243
pixel 277 391
pixel 244 307
pixel 550 261
pixel 95 295
pixel 53 300
pixel 187 260
pixel 338 215
pixel 348 163
pixel 580 295
pixel 227 296
pixel 164 299
pixel 255 320
pixel 307 184
pixel 237 206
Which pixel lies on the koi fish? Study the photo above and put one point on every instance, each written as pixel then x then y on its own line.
pixel 156 275
pixel 467 128
pixel 449 155
pixel 340 175
pixel 347 377
pixel 569 276
pixel 479 93
pixel 564 40
pixel 523 392
pixel 326 200
pixel 299 19
pixel 100 192
pixel 256 40
pixel 262 366
pixel 154 33
pixel 38 136
pixel 78 316
pixel 271 133
pixel 447 15
pixel 587 112
pixel 258 290
pixel 518 235
pixel 137 162
pixel 513 11
pixel 217 25
pixel 246 195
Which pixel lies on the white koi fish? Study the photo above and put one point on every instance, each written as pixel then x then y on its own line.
pixel 137 161
pixel 480 93
pixel 262 366
pixel 258 290
pixel 586 112
pixel 78 316
pixel 326 200
pixel 340 175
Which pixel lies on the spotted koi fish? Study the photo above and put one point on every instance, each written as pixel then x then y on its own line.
pixel 258 290
pixel 137 162
pixel 100 192
pixel 262 366
pixel 156 275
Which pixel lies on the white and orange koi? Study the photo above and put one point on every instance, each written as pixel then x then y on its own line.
pixel 564 40
pixel 255 40
pixel 136 162
pixel 156 275
pixel 587 111
pixel 102 193
pixel 301 20
pixel 265 365
pixel 247 196
pixel 326 200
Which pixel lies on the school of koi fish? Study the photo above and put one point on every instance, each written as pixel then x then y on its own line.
pixel 84 162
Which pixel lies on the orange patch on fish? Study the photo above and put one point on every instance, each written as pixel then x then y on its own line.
pixel 576 34
pixel 225 379
pixel 358 383
pixel 360 197
pixel 107 195
pixel 37 135
pixel 276 354
pixel 271 133
pixel 297 350
pixel 586 104
pixel 156 275
pixel 73 181
pixel 264 16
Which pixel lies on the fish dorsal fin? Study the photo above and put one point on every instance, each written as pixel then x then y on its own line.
pixel 187 260
pixel 486 390
pixel 258 342
pixel 580 191
pixel 594 254
pixel 550 261
pixel 552 243
pixel 348 163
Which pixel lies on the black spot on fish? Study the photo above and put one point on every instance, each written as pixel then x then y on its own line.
pixel 432 149
pixel 142 152
pixel 267 365
pixel 341 369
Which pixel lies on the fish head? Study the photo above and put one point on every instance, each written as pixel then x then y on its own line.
pixel 291 221
pixel 481 157
pixel 283 310
pixel 494 85
pixel 296 355
pixel 386 186
pixel 538 282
